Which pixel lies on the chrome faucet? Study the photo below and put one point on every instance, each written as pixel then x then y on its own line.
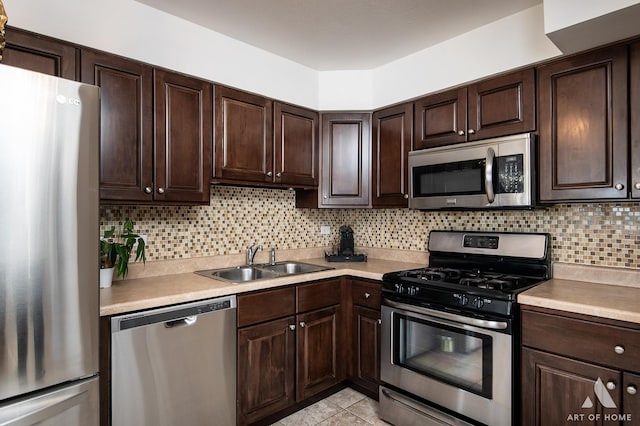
pixel 251 253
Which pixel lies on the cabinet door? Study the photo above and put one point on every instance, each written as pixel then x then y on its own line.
pixel 366 348
pixel 503 105
pixel 630 395
pixel 635 120
pixel 346 160
pixel 183 139
pixel 126 125
pixel 38 53
pixel 296 145
pixel 583 127
pixel 391 143
pixel 555 387
pixel 243 136
pixel 319 363
pixel 440 119
pixel 266 370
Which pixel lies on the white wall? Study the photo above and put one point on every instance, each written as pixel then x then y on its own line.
pixel 138 31
pixel 576 25
pixel 511 42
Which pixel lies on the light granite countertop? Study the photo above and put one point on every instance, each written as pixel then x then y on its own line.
pixel 598 291
pixel 161 290
pixel 612 293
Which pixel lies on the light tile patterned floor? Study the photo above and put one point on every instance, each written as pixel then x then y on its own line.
pixel 345 408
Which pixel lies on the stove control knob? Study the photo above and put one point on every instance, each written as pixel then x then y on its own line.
pixel 463 300
pixel 478 303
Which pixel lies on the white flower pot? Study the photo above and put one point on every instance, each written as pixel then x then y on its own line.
pixel 106 277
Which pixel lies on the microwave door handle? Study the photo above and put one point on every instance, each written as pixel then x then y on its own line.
pixel 488 175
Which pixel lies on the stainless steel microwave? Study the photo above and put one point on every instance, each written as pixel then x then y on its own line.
pixel 488 174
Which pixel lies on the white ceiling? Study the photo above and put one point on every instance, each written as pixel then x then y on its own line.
pixel 342 34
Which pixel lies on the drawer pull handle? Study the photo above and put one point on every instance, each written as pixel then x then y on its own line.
pixel 367 295
pixel 292 327
pixel 632 390
pixel 302 324
pixel 618 349
pixel 611 385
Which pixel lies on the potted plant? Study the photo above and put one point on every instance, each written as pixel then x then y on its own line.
pixel 115 252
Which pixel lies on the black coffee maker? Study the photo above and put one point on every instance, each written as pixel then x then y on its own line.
pixel 346 248
pixel 346 241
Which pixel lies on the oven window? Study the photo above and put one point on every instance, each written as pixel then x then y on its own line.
pixel 452 355
pixel 461 178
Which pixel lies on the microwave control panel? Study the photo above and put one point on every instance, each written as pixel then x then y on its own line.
pixel 510 174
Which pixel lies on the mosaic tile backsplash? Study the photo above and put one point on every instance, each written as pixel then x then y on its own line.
pixel 589 234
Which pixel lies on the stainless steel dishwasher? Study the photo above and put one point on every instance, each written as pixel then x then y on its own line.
pixel 175 365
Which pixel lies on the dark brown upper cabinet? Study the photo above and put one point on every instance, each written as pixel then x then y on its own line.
pixel 137 164
pixel 392 130
pixel 38 53
pixel 243 149
pixel 183 127
pixel 346 160
pixel 583 123
pixel 497 106
pixel 296 146
pixel 635 119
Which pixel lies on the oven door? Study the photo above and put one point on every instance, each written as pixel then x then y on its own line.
pixel 460 363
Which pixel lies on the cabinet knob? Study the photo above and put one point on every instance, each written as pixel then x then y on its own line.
pixel 367 295
pixel 160 190
pixel 611 385
pixel 619 349
pixel 632 389
pixel 406 196
pixel 379 321
pixel 148 190
pixel 278 174
pixel 302 324
pixel 292 327
pixel 460 132
pixel 325 197
pixel 619 186
pixel 471 131
pixel 637 185
pixel 269 174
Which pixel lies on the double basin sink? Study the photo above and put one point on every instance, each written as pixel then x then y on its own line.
pixel 240 274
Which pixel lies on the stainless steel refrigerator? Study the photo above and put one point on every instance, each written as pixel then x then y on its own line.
pixel 49 291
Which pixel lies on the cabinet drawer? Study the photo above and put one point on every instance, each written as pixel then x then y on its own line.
pixel 265 305
pixel 366 294
pixel 580 339
pixel 318 295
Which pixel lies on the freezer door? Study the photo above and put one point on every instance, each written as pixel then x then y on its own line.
pixel 49 226
pixel 73 405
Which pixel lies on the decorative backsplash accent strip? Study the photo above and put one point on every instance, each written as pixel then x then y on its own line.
pixel 589 234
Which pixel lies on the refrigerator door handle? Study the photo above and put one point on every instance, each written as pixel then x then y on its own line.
pixel 33 412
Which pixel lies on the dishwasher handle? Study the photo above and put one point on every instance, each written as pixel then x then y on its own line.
pixel 173 316
pixel 181 322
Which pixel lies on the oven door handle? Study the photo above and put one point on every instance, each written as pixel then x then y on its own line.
pixel 488 324
pixel 488 175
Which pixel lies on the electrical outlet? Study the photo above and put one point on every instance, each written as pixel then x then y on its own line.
pixel 325 230
pixel 143 237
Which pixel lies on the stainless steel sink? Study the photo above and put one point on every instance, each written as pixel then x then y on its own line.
pixel 240 274
pixel 291 268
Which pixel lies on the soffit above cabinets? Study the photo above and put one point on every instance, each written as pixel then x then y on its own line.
pixel 338 34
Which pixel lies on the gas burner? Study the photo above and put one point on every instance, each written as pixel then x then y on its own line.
pixel 440 274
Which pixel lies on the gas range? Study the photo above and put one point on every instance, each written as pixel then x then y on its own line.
pixel 474 271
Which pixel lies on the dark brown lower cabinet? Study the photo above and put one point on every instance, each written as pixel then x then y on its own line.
pixel 555 389
pixel 578 369
pixel 319 364
pixel 266 370
pixel 365 331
